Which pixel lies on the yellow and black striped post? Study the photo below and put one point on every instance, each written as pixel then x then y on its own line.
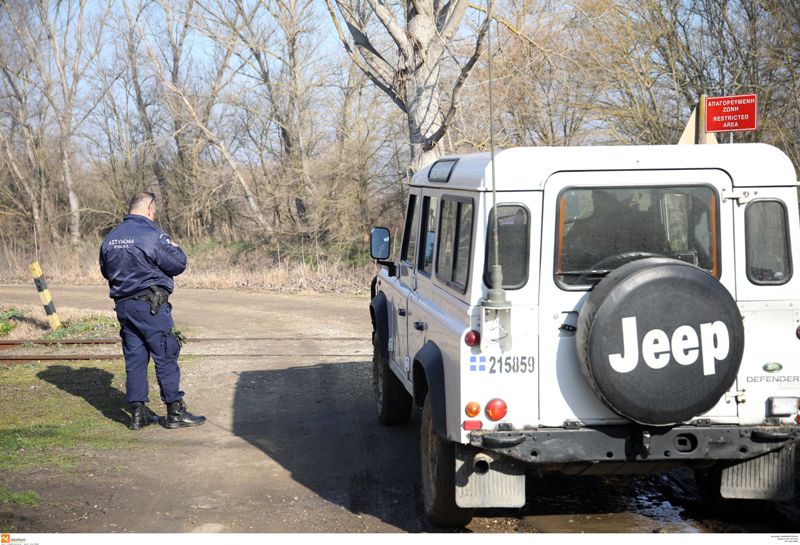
pixel 44 295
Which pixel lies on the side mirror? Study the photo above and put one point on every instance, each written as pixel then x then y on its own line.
pixel 380 243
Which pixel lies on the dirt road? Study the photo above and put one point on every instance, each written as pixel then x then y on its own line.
pixel 292 443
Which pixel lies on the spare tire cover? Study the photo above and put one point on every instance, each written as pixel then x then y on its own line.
pixel 660 341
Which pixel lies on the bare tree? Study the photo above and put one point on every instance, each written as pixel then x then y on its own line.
pixel 542 96
pixel 409 72
pixel 57 43
pixel 191 101
pixel 142 107
pixel 26 170
pixel 276 47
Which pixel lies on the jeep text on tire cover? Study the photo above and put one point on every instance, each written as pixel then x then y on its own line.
pixel 713 343
pixel 649 311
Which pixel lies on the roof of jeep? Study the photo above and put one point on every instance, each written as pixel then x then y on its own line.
pixel 749 165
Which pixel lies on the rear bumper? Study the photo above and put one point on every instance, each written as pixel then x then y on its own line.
pixel 635 444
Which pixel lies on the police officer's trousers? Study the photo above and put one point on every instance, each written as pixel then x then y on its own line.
pixel 144 335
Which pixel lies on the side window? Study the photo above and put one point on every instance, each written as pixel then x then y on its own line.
pixel 463 244
pixel 767 243
pixel 429 234
pixel 410 231
pixel 455 242
pixel 513 240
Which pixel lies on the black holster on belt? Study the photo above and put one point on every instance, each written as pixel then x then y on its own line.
pixel 158 296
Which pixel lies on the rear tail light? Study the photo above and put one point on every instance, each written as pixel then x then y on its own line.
pixel 496 409
pixel 472 409
pixel 782 406
pixel 473 338
pixel 471 425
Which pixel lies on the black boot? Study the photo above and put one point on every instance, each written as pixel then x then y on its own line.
pixel 179 417
pixel 142 416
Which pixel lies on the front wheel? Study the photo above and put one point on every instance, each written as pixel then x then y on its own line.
pixel 392 399
pixel 438 475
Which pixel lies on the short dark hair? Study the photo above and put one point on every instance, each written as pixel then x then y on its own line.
pixel 138 200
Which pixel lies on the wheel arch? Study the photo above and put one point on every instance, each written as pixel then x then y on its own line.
pixel 428 373
pixel 378 312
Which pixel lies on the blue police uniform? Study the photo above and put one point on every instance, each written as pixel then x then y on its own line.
pixel 134 256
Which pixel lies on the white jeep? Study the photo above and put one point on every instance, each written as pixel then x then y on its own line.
pixel 646 316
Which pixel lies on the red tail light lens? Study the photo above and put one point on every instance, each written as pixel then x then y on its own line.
pixel 496 409
pixel 471 425
pixel 472 338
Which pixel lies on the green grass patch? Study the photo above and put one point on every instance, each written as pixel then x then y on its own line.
pixel 94 327
pixel 28 497
pixel 52 416
pixel 7 323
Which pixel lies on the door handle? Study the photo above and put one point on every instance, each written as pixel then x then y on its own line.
pixel 420 326
pixel 402 312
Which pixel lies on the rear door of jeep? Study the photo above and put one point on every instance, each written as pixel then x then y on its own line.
pixel 595 221
pixel 768 290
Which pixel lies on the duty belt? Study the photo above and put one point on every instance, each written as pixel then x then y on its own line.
pixel 154 295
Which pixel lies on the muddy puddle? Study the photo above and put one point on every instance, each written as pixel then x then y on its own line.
pixel 600 505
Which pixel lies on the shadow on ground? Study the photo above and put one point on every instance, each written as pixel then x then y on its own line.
pixel 93 385
pixel 319 422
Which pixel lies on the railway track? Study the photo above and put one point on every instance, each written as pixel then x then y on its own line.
pixel 6 345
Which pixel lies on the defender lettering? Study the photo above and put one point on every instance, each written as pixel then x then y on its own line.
pixel 685 346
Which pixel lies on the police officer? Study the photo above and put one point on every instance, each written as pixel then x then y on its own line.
pixel 139 262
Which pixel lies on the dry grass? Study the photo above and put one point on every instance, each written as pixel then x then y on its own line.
pixel 210 266
pixel 31 322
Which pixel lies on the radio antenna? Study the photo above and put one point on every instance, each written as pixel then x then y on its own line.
pixel 496 296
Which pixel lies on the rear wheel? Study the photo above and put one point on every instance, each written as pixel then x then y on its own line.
pixel 392 399
pixel 438 475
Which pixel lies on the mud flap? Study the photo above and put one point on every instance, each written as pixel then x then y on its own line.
pixel 767 477
pixel 499 481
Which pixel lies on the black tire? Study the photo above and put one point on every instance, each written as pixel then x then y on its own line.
pixel 391 398
pixel 708 486
pixel 437 460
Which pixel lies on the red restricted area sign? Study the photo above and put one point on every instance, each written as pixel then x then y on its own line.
pixel 733 113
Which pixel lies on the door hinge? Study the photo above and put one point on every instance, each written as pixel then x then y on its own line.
pixel 741 196
pixel 391 344
pixel 737 395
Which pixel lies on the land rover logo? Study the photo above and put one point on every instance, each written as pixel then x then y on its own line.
pixel 772 367
pixel 685 346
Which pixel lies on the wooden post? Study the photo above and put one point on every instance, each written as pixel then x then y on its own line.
pixel 44 295
pixel 695 131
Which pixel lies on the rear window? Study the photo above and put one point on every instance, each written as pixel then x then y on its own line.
pixel 600 229
pixel 767 243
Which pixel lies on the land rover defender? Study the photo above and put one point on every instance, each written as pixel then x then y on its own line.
pixel 646 317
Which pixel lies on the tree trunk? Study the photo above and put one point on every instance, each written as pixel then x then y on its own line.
pixel 72 197
pixel 424 116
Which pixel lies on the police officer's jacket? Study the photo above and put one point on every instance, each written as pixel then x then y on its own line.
pixel 136 254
